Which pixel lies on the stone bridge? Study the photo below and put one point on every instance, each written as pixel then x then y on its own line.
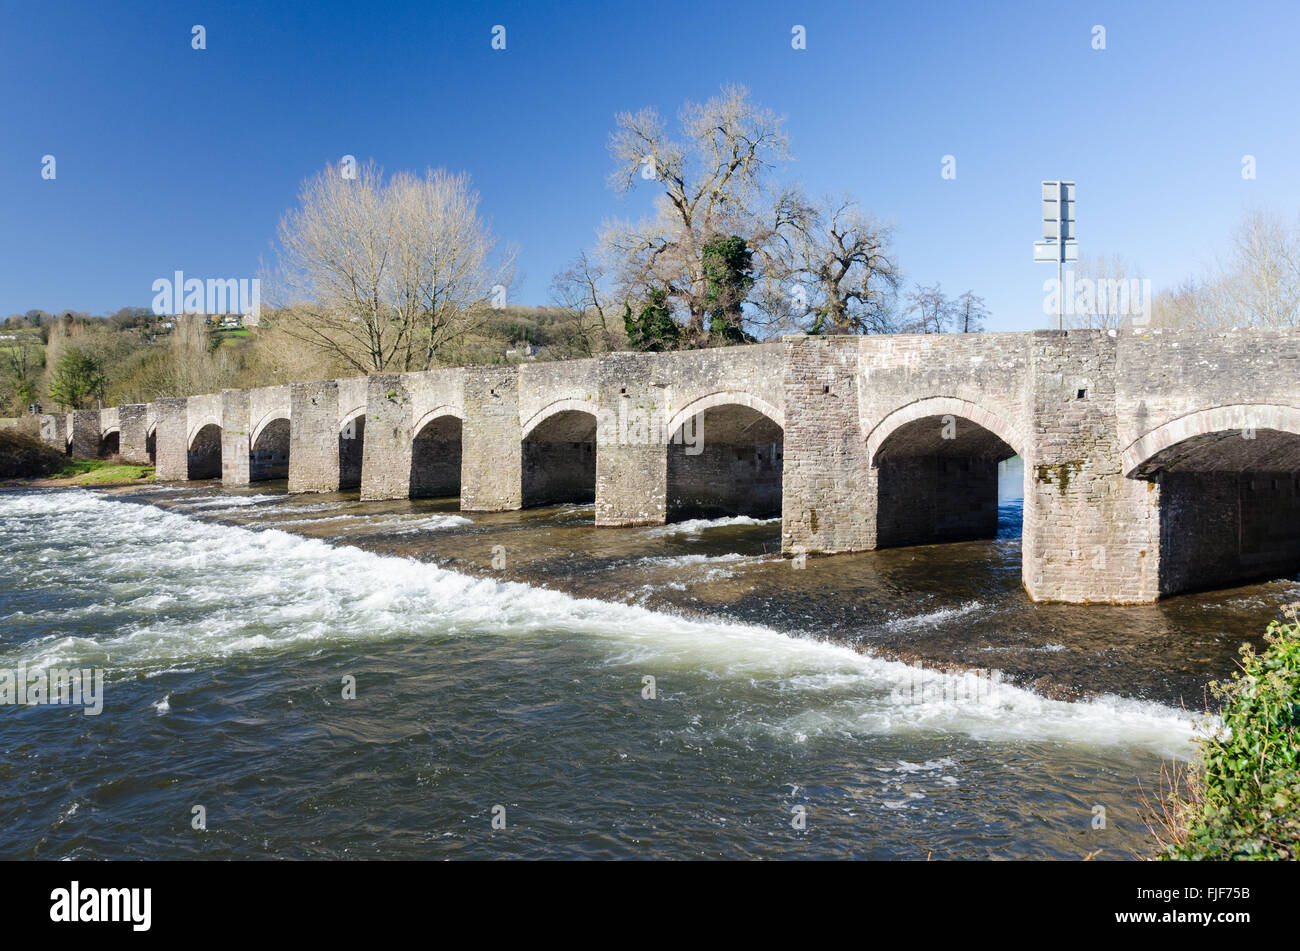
pixel 1155 462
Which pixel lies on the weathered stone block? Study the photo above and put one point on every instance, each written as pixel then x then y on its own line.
pixel 314 436
pixel 235 441
pixel 171 440
pixel 85 428
pixel 492 469
pixel 386 451
pixel 133 430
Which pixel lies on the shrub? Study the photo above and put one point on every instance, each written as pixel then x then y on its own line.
pixel 1246 804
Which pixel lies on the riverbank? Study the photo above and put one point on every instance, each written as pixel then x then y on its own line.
pixel 26 462
pixel 1241 800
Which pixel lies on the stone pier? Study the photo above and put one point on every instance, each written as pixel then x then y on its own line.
pixel 314 437
pixel 133 433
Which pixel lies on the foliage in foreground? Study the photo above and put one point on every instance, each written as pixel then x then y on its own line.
pixel 1246 800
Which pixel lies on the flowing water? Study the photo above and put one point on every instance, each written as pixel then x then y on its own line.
pixel 502 666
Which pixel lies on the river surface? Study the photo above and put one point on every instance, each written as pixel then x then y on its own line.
pixel 527 685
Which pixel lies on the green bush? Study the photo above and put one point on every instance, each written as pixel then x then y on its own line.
pixel 1247 801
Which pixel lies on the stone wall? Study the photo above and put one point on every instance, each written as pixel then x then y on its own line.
pixel 83 425
pixel 236 461
pixel 314 436
pixel 54 431
pixel 1089 533
pixel 1221 528
pixel 386 451
pixel 632 409
pixel 937 499
pixel 828 487
pixel 133 429
pixel 491 465
pixel 171 437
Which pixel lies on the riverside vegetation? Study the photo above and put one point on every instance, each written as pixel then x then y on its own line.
pixel 24 457
pixel 1242 800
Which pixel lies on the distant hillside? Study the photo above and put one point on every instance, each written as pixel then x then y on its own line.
pixel 142 357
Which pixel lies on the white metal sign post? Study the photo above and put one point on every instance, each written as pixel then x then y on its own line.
pixel 1058 242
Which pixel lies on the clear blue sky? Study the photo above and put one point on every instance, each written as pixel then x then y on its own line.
pixel 170 158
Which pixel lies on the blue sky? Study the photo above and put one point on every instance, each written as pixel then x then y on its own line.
pixel 170 158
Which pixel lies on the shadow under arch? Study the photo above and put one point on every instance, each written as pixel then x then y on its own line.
pixel 726 457
pixel 1229 483
pixel 203 459
pixel 352 441
pixel 936 463
pixel 558 457
pixel 268 453
pixel 436 452
pixel 110 442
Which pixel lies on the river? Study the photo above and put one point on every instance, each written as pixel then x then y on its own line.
pixel 527 685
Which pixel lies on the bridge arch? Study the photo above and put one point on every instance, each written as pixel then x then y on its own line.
pixel 719 398
pixel 1195 431
pixel 203 456
pixel 567 404
pixel 726 457
pixel 438 412
pixel 937 463
pixel 260 426
pixel 558 453
pixel 436 453
pixel 939 407
pixel 110 442
pixel 199 427
pixel 1229 494
pixel 352 440
pixel 268 448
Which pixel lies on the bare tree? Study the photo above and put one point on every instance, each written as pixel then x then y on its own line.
pixel 1256 284
pixel 828 268
pixel 1190 304
pixel 1261 286
pixel 444 260
pixel 194 364
pixel 334 259
pixel 709 182
pixel 929 309
pixel 382 275
pixel 579 289
pixel 969 313
pixel 1101 294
